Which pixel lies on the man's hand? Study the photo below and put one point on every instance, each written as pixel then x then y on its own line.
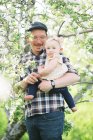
pixel 45 86
pixel 31 78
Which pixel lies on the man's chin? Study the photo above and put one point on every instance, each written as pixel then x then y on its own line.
pixel 39 49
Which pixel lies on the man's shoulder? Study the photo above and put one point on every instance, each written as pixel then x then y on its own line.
pixel 26 56
pixel 27 53
pixel 64 57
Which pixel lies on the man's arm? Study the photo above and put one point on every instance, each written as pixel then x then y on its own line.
pixel 66 80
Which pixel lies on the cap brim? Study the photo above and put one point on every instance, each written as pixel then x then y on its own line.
pixel 37 27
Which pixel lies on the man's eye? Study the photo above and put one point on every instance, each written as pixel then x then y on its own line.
pixel 40 37
pixel 43 37
pixel 34 37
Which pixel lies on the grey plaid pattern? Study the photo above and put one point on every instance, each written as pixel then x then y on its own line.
pixel 44 102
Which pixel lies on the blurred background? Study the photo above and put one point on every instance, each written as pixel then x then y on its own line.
pixel 70 19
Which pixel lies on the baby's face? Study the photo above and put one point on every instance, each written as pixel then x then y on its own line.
pixel 52 48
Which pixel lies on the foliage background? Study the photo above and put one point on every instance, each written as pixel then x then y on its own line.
pixel 71 19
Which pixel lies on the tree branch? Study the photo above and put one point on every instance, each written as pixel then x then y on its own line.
pixel 81 102
pixel 60 28
pixel 70 35
pixel 84 101
pixel 83 82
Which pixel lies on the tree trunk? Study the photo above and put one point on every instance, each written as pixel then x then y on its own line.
pixel 15 131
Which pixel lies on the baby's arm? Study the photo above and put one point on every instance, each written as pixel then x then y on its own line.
pixel 43 71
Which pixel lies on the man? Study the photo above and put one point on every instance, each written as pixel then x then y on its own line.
pixel 45 113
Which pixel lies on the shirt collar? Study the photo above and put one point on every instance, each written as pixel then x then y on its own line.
pixel 42 51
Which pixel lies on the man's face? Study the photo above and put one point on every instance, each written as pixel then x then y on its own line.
pixel 38 40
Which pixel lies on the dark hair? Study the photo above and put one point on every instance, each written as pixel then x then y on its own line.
pixel 37 25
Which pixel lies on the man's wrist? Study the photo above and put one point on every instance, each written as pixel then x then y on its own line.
pixel 23 83
pixel 52 84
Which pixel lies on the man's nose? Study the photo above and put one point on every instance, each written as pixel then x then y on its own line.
pixel 39 40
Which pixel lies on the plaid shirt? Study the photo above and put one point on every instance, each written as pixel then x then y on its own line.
pixel 44 102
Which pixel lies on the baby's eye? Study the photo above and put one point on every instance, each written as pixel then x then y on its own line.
pixel 53 47
pixel 48 48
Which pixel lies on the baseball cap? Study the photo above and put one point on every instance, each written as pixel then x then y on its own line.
pixel 38 25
